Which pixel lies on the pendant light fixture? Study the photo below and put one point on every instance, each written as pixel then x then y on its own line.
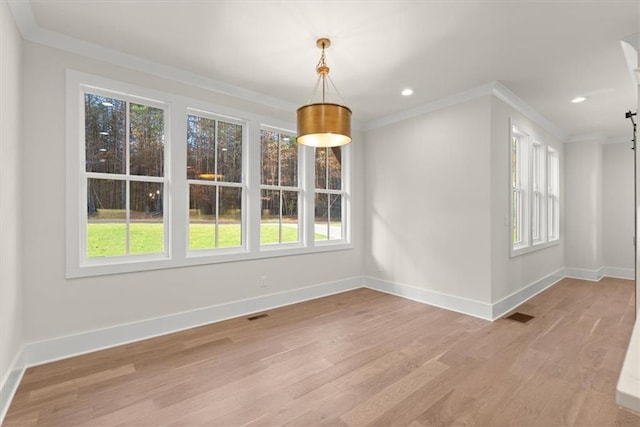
pixel 323 124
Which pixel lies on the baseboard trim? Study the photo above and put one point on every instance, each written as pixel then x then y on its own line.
pixel 437 299
pixel 41 352
pixel 37 353
pixel 619 273
pixel 584 274
pixel 510 302
pixel 9 388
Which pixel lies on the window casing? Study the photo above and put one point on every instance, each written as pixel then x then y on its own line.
pixel 329 195
pixel 538 192
pixel 198 187
pixel 553 194
pixel 216 182
pixel 535 193
pixel 123 180
pixel 280 192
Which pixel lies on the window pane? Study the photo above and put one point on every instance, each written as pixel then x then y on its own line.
pixel 517 217
pixel 146 218
pixel 269 156
pixel 514 163
pixel 288 161
pixel 146 143
pixel 328 216
pixel 321 168
pixel 321 216
pixel 229 217
pixel 106 227
pixel 202 217
pixel 335 168
pixel 270 220
pixel 229 152
pixel 201 147
pixel 104 121
pixel 290 216
pixel 535 219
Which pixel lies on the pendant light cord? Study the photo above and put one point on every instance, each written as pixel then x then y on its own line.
pixel 323 74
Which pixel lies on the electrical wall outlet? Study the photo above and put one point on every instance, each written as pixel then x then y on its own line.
pixel 263 281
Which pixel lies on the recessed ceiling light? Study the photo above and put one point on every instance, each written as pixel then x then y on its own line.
pixel 407 92
pixel 579 99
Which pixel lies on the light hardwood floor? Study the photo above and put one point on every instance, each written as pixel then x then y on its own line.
pixel 357 358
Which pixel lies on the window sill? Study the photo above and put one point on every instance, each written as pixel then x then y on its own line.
pixel 516 252
pixel 195 259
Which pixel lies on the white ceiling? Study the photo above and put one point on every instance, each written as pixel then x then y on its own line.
pixel 546 52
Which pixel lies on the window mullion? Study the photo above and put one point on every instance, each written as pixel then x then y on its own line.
pixel 217 217
pixel 127 156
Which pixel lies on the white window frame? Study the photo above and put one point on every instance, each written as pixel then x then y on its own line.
pixel 535 176
pixel 332 192
pixel 553 194
pixel 521 186
pixel 176 190
pixel 281 188
pixel 538 192
pixel 242 185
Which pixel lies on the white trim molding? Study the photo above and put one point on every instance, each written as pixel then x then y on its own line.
pixel 37 353
pixel 584 274
pixel 482 310
pixel 619 273
pixel 10 385
pixel 438 299
pixel 439 104
pixel 495 88
pixel 511 302
pixel 30 31
pixel 41 352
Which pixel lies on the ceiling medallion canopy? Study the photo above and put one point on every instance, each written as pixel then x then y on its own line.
pixel 323 124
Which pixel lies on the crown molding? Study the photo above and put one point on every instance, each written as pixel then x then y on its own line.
pixel 494 88
pixel 514 101
pixel 634 41
pixel 598 137
pixel 30 31
pixel 631 49
pixel 23 15
pixel 436 105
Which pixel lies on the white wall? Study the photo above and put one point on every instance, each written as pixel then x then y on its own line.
pixel 512 275
pixel 583 205
pixel 617 205
pixel 56 306
pixel 599 209
pixel 10 199
pixel 437 209
pixel 427 201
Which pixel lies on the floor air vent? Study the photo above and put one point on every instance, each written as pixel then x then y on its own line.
pixel 258 316
pixel 520 317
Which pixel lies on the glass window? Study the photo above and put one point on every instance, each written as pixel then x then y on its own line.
pixel 143 195
pixel 214 174
pixel 329 194
pixel 280 193
pixel 538 192
pixel 518 188
pixel 535 195
pixel 124 173
pixel 553 194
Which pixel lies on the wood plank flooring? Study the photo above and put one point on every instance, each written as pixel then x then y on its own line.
pixel 355 359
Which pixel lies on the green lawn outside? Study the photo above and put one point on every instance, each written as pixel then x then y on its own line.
pixel 109 239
